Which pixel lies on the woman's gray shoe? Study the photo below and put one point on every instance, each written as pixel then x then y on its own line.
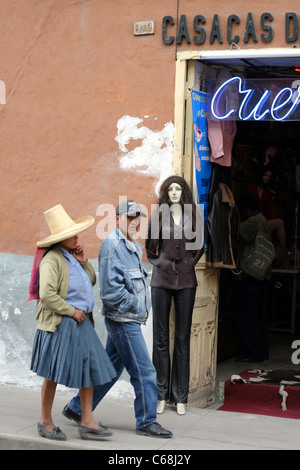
pixel 55 434
pixel 94 434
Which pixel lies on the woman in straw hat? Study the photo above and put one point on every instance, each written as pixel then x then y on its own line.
pixel 66 348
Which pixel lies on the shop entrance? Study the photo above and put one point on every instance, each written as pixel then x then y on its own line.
pixel 259 146
pixel 265 161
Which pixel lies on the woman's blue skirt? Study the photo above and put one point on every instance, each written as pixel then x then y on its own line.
pixel 72 356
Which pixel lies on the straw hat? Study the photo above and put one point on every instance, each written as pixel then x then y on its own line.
pixel 62 226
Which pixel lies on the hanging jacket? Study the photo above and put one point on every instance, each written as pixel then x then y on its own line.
pixel 222 228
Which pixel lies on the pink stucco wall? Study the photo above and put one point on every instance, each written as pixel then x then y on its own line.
pixel 72 70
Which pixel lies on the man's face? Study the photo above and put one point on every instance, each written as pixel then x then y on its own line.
pixel 128 224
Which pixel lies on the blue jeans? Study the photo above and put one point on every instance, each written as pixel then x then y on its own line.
pixel 126 347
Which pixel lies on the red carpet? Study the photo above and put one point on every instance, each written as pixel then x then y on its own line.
pixel 260 398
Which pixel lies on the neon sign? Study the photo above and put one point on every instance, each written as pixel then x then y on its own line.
pixel 250 99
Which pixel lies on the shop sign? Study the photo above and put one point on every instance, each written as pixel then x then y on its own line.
pixel 214 31
pixel 254 99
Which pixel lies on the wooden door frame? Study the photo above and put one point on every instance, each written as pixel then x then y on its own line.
pixel 204 332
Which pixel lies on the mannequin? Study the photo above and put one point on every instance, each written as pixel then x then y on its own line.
pixel 175 191
pixel 174 246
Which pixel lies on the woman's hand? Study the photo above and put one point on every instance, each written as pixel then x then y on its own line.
pixel 79 254
pixel 79 315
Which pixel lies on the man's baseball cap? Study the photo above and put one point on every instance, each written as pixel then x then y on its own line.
pixel 129 208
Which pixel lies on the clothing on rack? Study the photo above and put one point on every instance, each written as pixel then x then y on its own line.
pixel 222 227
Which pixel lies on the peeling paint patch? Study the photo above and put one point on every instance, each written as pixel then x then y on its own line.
pixel 154 155
pixel 4 315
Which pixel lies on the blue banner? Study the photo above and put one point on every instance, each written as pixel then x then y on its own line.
pixel 201 148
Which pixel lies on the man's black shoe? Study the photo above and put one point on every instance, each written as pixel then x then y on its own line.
pixel 68 413
pixel 154 430
pixel 245 359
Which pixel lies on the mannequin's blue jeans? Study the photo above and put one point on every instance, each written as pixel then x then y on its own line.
pixel 126 347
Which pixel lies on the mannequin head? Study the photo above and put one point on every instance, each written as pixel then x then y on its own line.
pixel 174 192
pixel 171 188
pixel 191 216
pixel 266 177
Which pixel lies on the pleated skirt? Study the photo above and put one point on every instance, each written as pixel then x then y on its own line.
pixel 72 356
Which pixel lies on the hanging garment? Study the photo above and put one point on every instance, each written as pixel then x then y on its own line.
pixel 221 135
pixel 222 228
pixel 221 132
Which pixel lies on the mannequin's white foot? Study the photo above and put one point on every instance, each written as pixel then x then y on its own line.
pixel 161 406
pixel 181 407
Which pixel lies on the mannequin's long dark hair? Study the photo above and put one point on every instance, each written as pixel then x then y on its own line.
pixel 163 201
pixel 186 196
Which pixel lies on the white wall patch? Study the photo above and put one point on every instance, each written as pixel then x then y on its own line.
pixel 154 155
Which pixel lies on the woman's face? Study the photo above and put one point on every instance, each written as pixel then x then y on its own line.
pixel 70 243
pixel 174 192
pixel 267 177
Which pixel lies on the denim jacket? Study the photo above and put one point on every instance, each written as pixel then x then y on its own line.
pixel 123 280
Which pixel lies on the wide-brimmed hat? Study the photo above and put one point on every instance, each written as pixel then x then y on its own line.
pixel 62 226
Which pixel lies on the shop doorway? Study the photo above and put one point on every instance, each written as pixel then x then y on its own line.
pixel 267 148
pixel 255 143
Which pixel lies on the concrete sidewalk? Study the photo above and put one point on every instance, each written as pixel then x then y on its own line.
pixel 199 429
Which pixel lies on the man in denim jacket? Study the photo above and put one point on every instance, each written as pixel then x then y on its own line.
pixel 123 279
pixel 126 304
